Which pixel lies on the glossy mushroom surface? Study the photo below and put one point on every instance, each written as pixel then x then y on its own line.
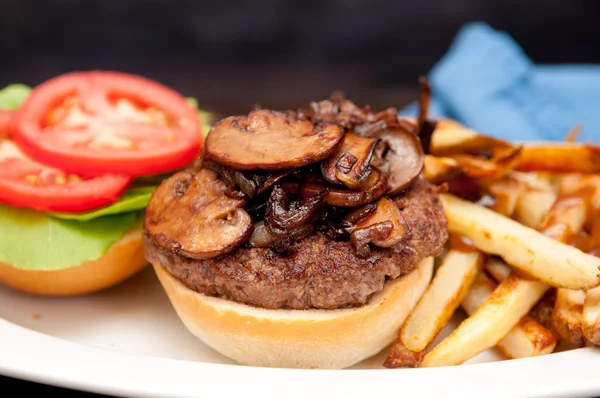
pixel 399 154
pixel 386 211
pixel 270 140
pixel 269 179
pixel 371 189
pixel 190 214
pixel 350 164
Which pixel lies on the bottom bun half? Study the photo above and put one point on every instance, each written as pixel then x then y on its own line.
pixel 123 259
pixel 318 339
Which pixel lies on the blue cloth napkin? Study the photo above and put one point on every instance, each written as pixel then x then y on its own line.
pixel 487 82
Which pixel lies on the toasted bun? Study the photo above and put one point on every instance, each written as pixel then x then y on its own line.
pixel 123 259
pixel 332 339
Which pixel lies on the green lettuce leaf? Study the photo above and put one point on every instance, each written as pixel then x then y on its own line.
pixel 31 240
pixel 12 96
pixel 132 200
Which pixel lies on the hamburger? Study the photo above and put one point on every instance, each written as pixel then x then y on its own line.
pixel 299 238
pixel 80 155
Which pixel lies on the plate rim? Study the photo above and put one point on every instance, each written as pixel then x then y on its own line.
pixel 34 356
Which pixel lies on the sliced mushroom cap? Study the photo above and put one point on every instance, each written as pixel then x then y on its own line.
pixel 333 230
pixel 371 129
pixel 285 214
pixel 337 109
pixel 256 207
pixel 407 123
pixel 372 188
pixel 386 211
pixel 389 116
pixel 344 104
pixel 400 155
pixel 252 183
pixel 321 109
pixel 189 214
pixel 261 237
pixel 361 238
pixel 269 140
pixel 256 183
pixel 350 164
pixel 353 217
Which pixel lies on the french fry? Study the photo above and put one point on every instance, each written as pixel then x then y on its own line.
pixel 443 295
pixel 541 181
pixel 498 269
pixel 507 192
pixel 544 220
pixel 439 169
pixel 532 206
pixel 566 317
pixel 402 357
pixel 538 187
pixel 451 137
pixel 477 167
pixel 522 247
pixel 583 241
pixel 560 158
pixel 542 311
pixel 595 235
pixel 572 183
pixel 569 182
pixel 573 134
pixel 450 127
pixel 500 312
pixel 592 182
pixel 566 217
pixel 528 338
pixel 586 187
pixel 590 319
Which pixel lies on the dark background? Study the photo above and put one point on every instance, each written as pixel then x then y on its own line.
pixel 231 55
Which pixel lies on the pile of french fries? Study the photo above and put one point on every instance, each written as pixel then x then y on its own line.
pixel 522 260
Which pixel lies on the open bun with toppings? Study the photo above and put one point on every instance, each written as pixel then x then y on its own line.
pixel 299 238
pixel 123 259
pixel 80 155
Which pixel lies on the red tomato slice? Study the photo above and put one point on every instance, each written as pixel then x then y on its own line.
pixel 92 123
pixel 5 118
pixel 27 183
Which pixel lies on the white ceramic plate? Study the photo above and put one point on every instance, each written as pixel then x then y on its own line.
pixel 128 341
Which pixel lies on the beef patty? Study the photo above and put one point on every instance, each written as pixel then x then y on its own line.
pixel 320 272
